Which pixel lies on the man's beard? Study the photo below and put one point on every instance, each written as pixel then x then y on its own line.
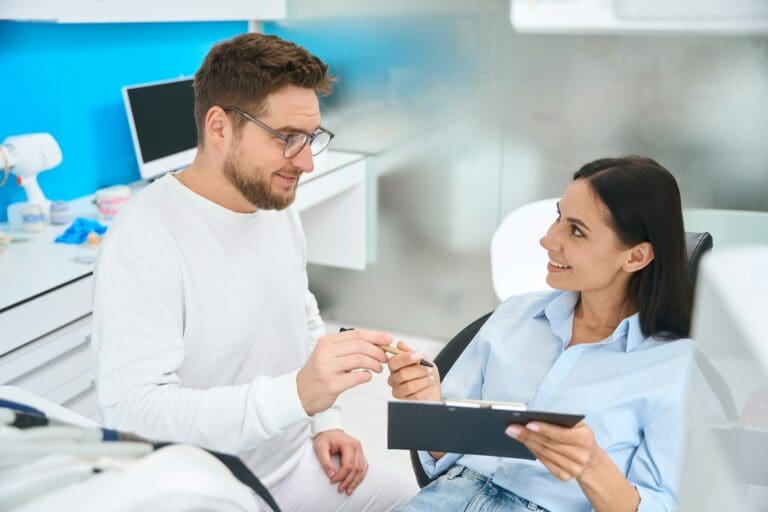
pixel 256 188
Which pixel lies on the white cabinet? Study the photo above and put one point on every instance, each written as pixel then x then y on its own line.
pixel 99 11
pixel 57 367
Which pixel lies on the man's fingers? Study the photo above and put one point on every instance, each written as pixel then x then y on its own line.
pixel 346 467
pixel 324 457
pixel 359 477
pixel 355 346
pixel 351 379
pixel 345 486
pixel 375 337
pixel 359 466
pixel 354 362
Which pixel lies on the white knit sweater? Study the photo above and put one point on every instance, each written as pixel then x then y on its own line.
pixel 202 317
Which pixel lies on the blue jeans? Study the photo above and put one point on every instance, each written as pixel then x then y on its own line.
pixel 464 490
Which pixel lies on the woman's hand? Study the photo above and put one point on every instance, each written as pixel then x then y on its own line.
pixel 566 452
pixel 573 453
pixel 411 381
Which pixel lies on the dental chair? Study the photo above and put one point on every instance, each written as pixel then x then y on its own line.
pixel 518 265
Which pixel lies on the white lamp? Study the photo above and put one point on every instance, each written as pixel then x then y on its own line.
pixel 26 156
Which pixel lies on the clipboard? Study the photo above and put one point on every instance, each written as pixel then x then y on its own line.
pixel 464 426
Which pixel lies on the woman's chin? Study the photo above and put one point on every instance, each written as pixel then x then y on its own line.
pixel 558 283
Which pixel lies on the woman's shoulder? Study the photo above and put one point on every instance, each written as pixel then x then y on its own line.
pixel 673 360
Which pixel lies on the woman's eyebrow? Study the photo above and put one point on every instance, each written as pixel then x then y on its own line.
pixel 573 220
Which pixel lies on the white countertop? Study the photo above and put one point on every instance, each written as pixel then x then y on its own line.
pixel 33 267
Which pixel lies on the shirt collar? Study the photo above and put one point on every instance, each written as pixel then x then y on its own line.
pixel 558 309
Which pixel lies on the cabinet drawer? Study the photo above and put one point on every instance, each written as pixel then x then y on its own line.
pixel 37 317
pixel 56 367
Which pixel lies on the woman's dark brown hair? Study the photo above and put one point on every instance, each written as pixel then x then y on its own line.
pixel 645 206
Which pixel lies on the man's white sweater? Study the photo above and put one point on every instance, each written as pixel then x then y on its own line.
pixel 202 317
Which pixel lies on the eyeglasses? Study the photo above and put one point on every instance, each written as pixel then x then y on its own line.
pixel 295 142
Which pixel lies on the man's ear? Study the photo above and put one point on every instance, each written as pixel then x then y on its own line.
pixel 218 129
pixel 639 257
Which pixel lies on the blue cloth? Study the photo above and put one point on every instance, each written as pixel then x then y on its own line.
pixel 632 390
pixel 462 489
pixel 78 231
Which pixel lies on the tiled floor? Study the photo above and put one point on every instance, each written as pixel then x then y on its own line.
pixel 365 407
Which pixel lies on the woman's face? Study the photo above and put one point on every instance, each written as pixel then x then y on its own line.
pixel 584 252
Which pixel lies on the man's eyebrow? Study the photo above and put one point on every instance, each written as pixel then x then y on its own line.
pixel 573 220
pixel 293 129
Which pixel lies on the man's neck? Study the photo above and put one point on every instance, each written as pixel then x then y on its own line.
pixel 208 181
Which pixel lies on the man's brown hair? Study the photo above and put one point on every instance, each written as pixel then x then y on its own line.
pixel 243 71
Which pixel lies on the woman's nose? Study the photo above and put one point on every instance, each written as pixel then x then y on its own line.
pixel 549 241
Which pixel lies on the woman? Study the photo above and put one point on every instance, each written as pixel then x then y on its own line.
pixel 607 343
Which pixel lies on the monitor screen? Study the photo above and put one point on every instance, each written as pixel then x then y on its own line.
pixel 162 120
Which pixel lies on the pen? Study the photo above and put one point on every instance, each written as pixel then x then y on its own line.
pixel 393 350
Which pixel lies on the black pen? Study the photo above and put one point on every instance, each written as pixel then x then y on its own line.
pixel 393 350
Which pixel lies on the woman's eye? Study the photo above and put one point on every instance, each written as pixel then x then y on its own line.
pixel 576 231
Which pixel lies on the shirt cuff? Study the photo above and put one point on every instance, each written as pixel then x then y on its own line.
pixel 280 404
pixel 434 467
pixel 326 420
pixel 652 500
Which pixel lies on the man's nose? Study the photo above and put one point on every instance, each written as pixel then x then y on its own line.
pixel 304 160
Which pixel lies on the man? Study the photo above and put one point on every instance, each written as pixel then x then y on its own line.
pixel 205 331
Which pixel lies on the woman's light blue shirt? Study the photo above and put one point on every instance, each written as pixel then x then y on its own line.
pixel 631 388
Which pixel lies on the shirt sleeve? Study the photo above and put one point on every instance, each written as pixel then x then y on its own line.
pixel 331 417
pixel 138 347
pixel 434 467
pixel 463 381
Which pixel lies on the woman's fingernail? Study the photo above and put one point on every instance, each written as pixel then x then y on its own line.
pixel 533 426
pixel 513 431
pixel 415 356
pixel 431 377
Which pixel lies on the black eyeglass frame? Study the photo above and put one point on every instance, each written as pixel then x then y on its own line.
pixel 288 139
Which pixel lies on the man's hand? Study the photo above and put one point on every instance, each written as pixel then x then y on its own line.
pixel 411 381
pixel 328 371
pixel 566 452
pixel 353 466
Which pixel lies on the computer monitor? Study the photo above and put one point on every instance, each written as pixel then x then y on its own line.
pixel 162 120
pixel 726 464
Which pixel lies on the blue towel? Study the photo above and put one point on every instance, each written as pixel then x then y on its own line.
pixel 77 232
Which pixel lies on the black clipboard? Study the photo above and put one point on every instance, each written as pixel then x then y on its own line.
pixel 467 427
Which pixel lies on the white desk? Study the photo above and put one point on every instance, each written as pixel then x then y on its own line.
pixel 46 296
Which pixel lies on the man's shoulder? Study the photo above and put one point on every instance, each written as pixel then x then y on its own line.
pixel 145 213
